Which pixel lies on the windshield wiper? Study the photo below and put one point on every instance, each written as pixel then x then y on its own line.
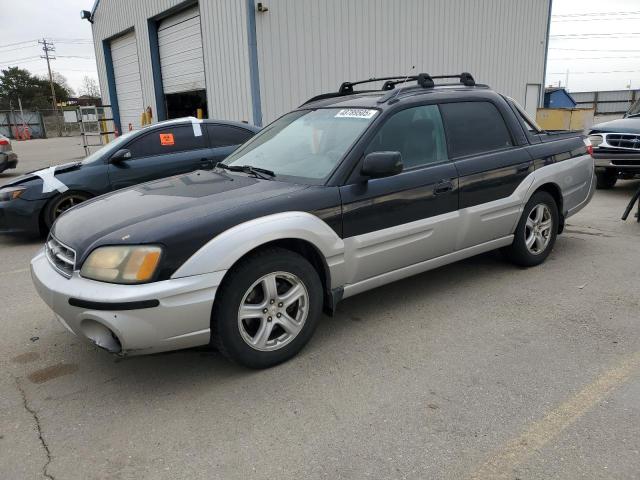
pixel 262 173
pixel 633 115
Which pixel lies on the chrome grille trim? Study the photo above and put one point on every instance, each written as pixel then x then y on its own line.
pixel 61 257
pixel 620 141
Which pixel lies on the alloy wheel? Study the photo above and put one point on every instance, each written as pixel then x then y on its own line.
pixel 273 311
pixel 66 203
pixel 537 231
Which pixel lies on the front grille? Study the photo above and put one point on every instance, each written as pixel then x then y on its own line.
pixel 61 257
pixel 628 141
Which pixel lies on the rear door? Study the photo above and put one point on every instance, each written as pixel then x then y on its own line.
pixel 224 139
pixel 491 166
pixel 394 222
pixel 160 153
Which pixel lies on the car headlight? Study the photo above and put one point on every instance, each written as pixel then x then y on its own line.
pixel 11 193
pixel 124 264
pixel 595 140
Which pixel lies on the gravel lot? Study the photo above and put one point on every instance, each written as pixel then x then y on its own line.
pixel 475 370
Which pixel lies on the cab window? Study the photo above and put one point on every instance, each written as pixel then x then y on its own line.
pixel 474 128
pixel 417 133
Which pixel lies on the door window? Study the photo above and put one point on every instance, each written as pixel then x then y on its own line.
pixel 474 127
pixel 172 139
pixel 225 135
pixel 417 133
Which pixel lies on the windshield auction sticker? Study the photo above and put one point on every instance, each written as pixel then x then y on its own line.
pixel 356 113
pixel 166 139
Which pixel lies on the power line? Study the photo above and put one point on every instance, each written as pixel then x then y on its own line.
pixel 592 50
pixel 17 43
pixel 19 59
pixel 586 35
pixel 592 58
pixel 623 12
pixel 565 20
pixel 599 72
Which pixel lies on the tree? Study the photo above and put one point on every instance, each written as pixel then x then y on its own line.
pixel 62 82
pixel 89 87
pixel 34 92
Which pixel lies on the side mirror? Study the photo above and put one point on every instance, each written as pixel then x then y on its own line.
pixel 381 164
pixel 120 156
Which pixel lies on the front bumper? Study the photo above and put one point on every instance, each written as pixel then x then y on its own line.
pixel 21 216
pixel 180 318
pixel 617 161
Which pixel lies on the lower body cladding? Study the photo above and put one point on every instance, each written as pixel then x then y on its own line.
pixel 130 319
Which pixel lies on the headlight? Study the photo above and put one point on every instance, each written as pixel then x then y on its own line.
pixel 11 193
pixel 595 140
pixel 126 264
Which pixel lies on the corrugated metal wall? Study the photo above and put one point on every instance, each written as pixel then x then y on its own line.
pixel 226 59
pixel 307 47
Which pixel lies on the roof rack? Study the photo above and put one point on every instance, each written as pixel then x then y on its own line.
pixel 422 79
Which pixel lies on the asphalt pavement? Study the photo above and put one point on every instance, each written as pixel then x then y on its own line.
pixel 475 370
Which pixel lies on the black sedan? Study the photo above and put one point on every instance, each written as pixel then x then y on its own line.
pixel 31 203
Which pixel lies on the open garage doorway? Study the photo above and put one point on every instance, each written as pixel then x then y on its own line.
pixel 186 104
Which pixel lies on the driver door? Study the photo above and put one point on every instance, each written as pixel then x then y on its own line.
pixel 393 222
pixel 160 153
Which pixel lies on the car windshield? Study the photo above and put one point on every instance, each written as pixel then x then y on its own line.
pixel 305 145
pixel 109 148
pixel 634 111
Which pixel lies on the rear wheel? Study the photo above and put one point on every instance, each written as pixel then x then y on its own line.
pixel 536 232
pixel 267 308
pixel 60 204
pixel 606 179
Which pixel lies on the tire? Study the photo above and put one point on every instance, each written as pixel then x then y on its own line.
pixel 271 331
pixel 540 211
pixel 60 204
pixel 606 179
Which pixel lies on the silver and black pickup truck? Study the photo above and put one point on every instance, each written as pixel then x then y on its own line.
pixel 352 190
pixel 616 148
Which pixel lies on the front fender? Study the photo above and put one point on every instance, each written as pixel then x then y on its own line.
pixel 224 250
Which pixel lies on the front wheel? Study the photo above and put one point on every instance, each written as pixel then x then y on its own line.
pixel 267 308
pixel 60 204
pixel 606 179
pixel 536 232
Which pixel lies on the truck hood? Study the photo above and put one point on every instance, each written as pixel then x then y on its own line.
pixel 622 125
pixel 182 212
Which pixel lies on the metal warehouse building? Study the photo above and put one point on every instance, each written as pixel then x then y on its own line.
pixel 253 61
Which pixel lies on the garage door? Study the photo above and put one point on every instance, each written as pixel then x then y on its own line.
pixel 126 72
pixel 180 45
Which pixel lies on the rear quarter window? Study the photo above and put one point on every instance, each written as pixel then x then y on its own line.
pixel 474 128
pixel 226 135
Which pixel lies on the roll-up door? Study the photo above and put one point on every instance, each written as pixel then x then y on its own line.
pixel 126 73
pixel 180 43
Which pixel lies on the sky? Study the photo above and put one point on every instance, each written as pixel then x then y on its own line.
pixel 597 41
pixel 57 20
pixel 591 37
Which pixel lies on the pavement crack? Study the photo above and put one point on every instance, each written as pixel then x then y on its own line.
pixel 36 419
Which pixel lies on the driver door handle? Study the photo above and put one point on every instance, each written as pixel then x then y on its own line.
pixel 443 186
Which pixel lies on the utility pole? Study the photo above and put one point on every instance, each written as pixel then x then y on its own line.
pixel 49 47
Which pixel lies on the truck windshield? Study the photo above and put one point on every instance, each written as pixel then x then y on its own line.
pixel 305 145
